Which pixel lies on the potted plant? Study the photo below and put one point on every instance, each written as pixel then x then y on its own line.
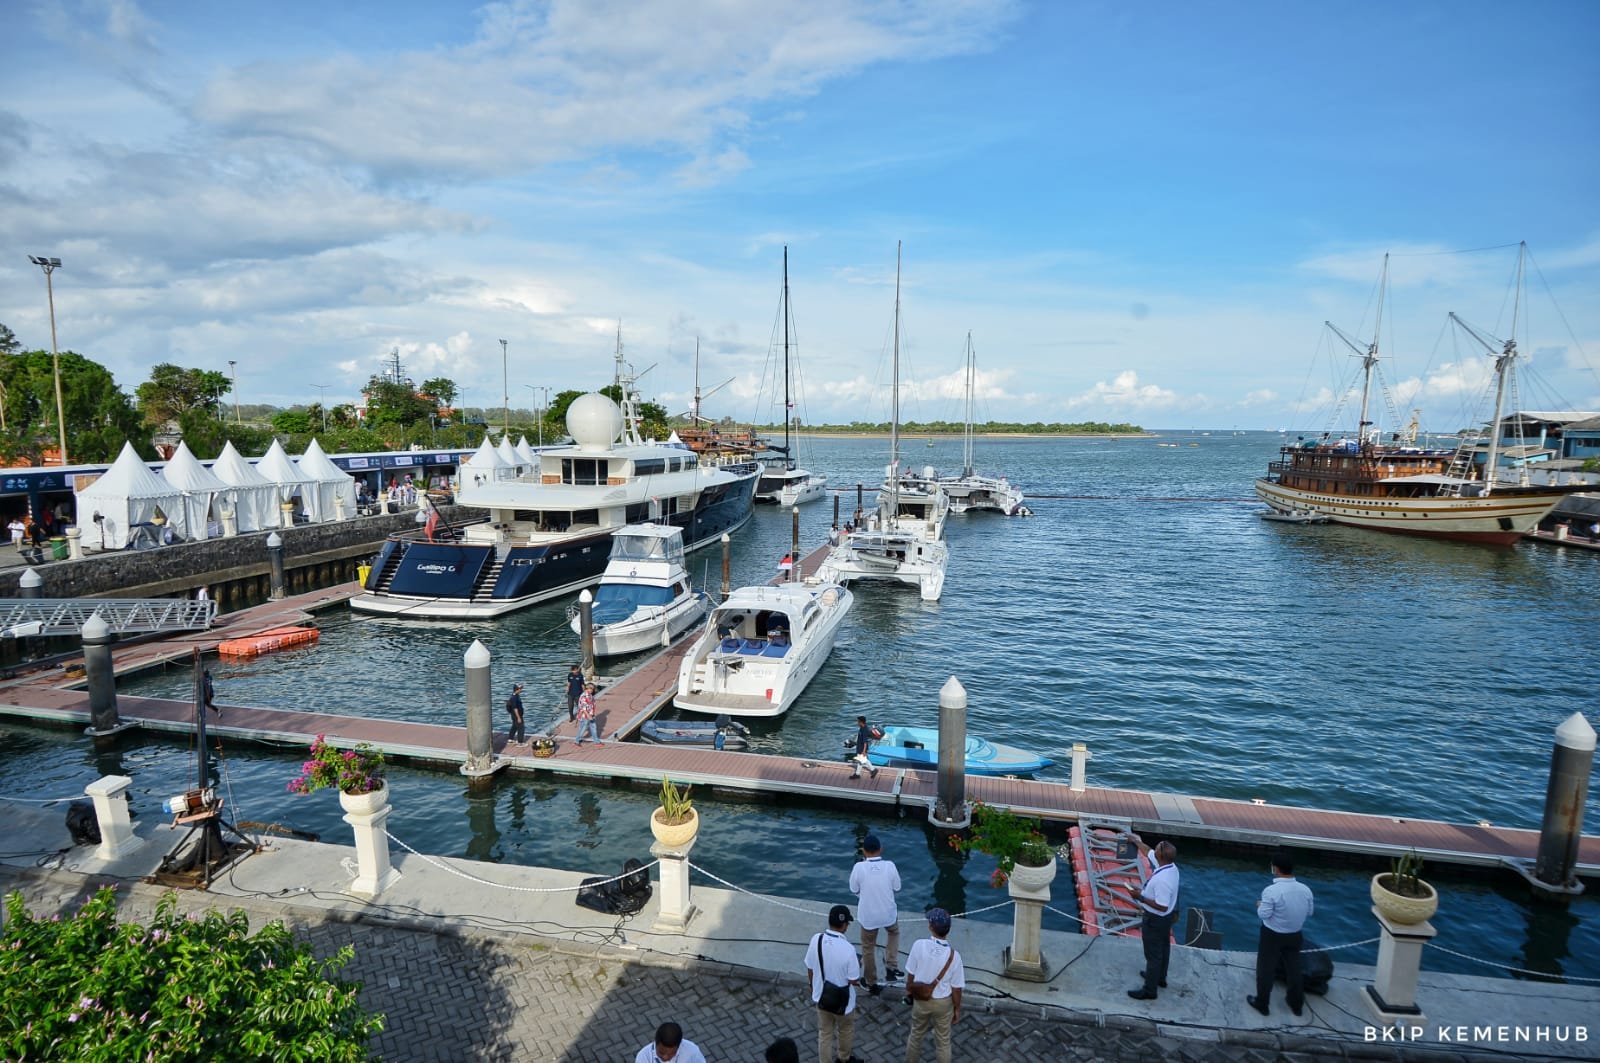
pixel 1400 895
pixel 358 773
pixel 1019 847
pixel 675 822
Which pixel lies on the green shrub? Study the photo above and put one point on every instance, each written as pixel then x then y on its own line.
pixel 198 988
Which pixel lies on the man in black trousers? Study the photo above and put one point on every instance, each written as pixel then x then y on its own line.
pixel 518 732
pixel 1158 901
pixel 1284 907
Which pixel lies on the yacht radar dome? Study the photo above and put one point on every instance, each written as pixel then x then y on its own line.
pixel 594 421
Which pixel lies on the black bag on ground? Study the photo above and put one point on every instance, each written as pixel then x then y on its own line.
pixel 1316 969
pixel 82 823
pixel 622 895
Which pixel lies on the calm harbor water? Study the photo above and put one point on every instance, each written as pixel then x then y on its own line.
pixel 1145 610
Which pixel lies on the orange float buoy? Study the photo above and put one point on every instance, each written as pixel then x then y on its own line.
pixel 281 638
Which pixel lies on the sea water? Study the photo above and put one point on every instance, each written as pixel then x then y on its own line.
pixel 1144 610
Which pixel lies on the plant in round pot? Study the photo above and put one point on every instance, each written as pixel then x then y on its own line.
pixel 675 822
pixel 1400 895
pixel 1019 847
pixel 358 773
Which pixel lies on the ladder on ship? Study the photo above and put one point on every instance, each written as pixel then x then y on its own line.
pixel 124 616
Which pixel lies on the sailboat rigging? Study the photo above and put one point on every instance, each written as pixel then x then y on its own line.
pixel 783 482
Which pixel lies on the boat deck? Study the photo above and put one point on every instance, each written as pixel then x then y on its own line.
pixel 626 704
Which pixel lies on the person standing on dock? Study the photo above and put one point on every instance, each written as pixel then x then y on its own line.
pixel 1158 901
pixel 518 732
pixel 934 965
pixel 830 959
pixel 875 881
pixel 863 740
pixel 1284 907
pixel 574 691
pixel 586 720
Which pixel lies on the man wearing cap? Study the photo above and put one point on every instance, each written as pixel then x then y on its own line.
pixel 934 962
pixel 1158 902
pixel 514 707
pixel 670 1046
pixel 829 956
pixel 875 881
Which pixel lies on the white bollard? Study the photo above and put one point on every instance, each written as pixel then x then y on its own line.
pixel 1080 766
pixel 1392 997
pixel 111 811
pixel 367 814
pixel 674 906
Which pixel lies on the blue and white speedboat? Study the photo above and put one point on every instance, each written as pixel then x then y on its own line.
pixel 918 747
pixel 644 599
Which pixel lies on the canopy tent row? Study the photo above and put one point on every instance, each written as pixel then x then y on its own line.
pixel 332 494
pixel 255 497
pixel 206 498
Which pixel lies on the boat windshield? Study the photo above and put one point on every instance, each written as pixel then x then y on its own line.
pixel 646 548
pixel 618 601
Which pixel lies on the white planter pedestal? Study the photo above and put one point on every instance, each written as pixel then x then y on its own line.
pixel 674 908
pixel 111 811
pixel 1030 890
pixel 1392 999
pixel 367 814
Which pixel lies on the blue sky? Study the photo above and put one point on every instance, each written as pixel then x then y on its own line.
pixel 1141 212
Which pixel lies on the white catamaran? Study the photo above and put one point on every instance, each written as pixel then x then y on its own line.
pixel 903 540
pixel 782 481
pixel 971 490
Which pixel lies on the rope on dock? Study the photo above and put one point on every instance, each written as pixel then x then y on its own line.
pixel 1508 967
pixel 520 889
pixel 37 801
pixel 807 911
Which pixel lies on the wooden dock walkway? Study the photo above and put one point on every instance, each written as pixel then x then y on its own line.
pixel 626 704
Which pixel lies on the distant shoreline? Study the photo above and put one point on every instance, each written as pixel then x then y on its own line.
pixel 814 434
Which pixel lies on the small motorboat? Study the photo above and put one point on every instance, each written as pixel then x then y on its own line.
pixel 918 747
pixel 735 735
pixel 644 599
pixel 1294 516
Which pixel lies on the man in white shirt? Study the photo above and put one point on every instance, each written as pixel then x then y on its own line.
pixel 1158 902
pixel 875 881
pixel 1284 907
pixel 670 1046
pixel 830 956
pixel 934 962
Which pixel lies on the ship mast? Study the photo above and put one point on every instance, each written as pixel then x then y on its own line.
pixel 1370 359
pixel 966 451
pixel 788 455
pixel 1504 365
pixel 894 406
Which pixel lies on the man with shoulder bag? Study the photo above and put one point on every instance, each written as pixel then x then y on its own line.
pixel 833 971
pixel 934 981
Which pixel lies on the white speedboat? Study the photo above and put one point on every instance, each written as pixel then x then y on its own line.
pixel 902 541
pixel 644 599
pixel 761 648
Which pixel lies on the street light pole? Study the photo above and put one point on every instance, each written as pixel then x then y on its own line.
pixel 505 386
pixel 233 367
pixel 322 401
pixel 50 265
pixel 538 407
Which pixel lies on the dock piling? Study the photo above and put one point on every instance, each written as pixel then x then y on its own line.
pixel 29 585
pixel 586 632
pixel 1080 767
pixel 481 761
pixel 97 669
pixel 727 563
pixel 275 559
pixel 1562 829
pixel 794 547
pixel 950 808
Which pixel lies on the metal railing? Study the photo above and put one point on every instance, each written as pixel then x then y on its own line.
pixel 124 616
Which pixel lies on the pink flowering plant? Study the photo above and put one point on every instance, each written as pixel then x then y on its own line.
pixel 353 771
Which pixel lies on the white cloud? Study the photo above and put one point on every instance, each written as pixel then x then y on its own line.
pixel 1125 393
pixel 1262 397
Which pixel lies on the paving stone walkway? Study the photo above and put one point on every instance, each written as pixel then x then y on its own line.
pixel 465 993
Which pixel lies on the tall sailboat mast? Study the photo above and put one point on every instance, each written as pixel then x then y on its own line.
pixel 788 454
pixel 966 449
pixel 894 401
pixel 1370 359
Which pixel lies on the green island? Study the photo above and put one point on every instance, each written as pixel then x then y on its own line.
pixel 956 428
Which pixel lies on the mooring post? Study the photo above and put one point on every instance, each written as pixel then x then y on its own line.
pixel 1080 766
pixel 727 562
pixel 109 794
pixel 950 808
pixel 275 559
pixel 481 760
pixel 794 548
pixel 836 511
pixel 74 544
pixel 860 504
pixel 102 681
pixel 586 632
pixel 29 585
pixel 1562 829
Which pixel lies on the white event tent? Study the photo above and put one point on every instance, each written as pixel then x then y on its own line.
pixel 526 453
pixel 127 494
pixel 293 485
pixel 205 496
pixel 255 496
pixel 330 483
pixel 483 469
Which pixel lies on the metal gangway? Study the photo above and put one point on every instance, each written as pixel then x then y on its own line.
pixel 21 617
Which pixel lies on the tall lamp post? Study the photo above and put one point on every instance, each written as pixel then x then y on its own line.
pixel 505 387
pixel 50 265
pixel 233 367
pixel 322 402
pixel 538 407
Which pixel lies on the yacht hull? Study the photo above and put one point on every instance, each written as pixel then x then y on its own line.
pixel 1500 518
